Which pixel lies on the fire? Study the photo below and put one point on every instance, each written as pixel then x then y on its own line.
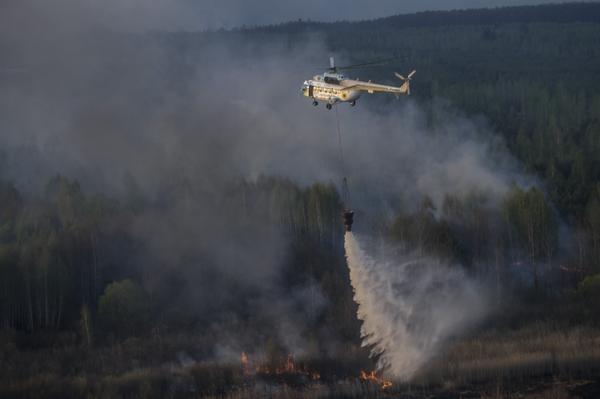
pixel 245 364
pixel 287 367
pixel 375 378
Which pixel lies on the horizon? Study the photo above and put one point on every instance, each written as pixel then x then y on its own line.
pixel 187 15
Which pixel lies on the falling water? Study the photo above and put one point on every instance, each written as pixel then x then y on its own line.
pixel 409 306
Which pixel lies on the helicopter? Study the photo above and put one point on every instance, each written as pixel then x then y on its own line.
pixel 333 87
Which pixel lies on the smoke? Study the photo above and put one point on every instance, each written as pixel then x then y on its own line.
pixel 174 119
pixel 409 306
pixel 113 108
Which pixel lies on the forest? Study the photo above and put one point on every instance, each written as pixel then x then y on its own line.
pixel 131 294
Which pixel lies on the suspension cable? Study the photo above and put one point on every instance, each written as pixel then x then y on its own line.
pixel 345 191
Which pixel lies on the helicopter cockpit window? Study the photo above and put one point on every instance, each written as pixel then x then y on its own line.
pixel 331 80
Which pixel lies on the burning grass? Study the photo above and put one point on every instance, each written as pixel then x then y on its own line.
pixel 534 362
pixel 285 371
pixel 169 368
pixel 375 378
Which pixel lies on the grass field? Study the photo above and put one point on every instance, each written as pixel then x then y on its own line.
pixel 538 361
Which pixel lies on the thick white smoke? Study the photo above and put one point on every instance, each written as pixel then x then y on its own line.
pixel 409 306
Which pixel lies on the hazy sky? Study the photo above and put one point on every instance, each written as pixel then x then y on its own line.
pixel 210 14
pixel 236 12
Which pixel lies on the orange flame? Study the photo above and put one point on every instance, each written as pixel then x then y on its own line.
pixel 245 364
pixel 374 378
pixel 289 366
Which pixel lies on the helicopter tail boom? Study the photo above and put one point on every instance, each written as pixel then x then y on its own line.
pixel 405 87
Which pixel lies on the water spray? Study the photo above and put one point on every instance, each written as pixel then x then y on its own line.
pixel 410 305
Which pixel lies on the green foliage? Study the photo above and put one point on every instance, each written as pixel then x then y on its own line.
pixel 531 226
pixel 60 252
pixel 49 265
pixel 589 288
pixel 425 233
pixel 532 221
pixel 124 308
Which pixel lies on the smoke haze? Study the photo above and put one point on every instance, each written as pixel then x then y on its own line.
pixel 147 114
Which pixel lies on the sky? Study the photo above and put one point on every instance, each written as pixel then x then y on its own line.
pixel 259 12
pixel 192 15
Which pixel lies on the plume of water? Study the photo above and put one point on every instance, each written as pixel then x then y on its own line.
pixel 409 306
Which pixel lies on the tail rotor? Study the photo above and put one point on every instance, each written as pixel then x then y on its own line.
pixel 406 80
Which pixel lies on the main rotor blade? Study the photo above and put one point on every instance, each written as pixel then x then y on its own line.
pixel 364 64
pixel 331 63
pixel 410 75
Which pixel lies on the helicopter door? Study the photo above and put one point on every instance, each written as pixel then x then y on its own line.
pixel 310 90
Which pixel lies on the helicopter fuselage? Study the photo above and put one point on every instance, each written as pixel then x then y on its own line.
pixel 330 89
pixel 333 88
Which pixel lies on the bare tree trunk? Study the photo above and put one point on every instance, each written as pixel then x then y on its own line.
pixel 532 254
pixel 94 241
pixel 59 312
pixel 30 322
pixel 46 310
pixel 498 278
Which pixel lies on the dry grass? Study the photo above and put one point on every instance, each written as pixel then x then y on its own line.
pixel 540 361
pixel 537 351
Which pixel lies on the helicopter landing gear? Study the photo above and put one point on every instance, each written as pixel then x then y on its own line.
pixel 315 103
pixel 328 106
pixel 353 103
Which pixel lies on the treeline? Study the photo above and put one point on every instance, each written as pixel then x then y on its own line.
pixel 50 255
pixel 515 243
pixel 532 263
pixel 560 13
pixel 70 261
pixel 544 13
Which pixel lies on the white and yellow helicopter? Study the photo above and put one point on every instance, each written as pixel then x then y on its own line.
pixel 332 87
